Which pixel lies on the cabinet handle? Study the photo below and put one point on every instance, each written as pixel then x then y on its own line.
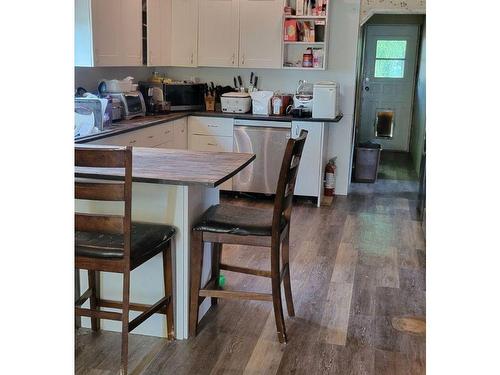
pixel 150 136
pixel 232 59
pixel 243 59
pixel 132 142
pixel 167 131
pixel 212 144
pixel 192 58
pixel 213 126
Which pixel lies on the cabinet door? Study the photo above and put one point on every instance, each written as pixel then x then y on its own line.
pixel 125 139
pixel 218 33
pixel 131 32
pixel 211 126
pixel 106 32
pixel 214 144
pixel 117 32
pixel 184 32
pixel 310 177
pixel 180 134
pixel 159 21
pixel 260 33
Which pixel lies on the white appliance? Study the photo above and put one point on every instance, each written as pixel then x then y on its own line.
pixel 261 102
pixel 303 97
pixel 235 102
pixel 326 100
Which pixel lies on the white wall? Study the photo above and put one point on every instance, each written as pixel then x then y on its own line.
pixel 344 27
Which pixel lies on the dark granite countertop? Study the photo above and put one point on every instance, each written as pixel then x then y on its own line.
pixel 125 126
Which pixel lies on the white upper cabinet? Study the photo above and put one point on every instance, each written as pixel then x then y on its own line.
pixel 159 28
pixel 184 35
pixel 218 33
pixel 108 32
pixel 260 33
pixel 131 32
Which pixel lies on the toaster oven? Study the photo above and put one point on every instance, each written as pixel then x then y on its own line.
pixel 132 104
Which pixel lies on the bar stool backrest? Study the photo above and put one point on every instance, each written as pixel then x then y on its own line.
pixel 286 182
pixel 88 158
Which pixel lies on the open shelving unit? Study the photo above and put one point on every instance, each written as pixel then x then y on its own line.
pixel 293 50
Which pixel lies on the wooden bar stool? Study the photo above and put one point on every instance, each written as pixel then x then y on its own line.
pixel 229 224
pixel 113 243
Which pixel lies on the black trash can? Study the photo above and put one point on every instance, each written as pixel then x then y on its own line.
pixel 367 162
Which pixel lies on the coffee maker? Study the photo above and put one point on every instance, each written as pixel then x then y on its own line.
pixel 154 98
pixel 303 100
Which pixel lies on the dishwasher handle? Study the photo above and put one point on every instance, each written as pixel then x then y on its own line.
pixel 263 123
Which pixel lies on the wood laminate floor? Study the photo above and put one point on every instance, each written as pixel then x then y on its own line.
pixel 358 281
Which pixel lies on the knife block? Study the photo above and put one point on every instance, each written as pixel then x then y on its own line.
pixel 210 103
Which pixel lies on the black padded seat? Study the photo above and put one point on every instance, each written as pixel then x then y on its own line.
pixel 243 221
pixel 147 240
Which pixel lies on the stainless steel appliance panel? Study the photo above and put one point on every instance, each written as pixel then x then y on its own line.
pixel 268 143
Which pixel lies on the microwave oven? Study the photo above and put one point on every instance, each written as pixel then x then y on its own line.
pixel 182 96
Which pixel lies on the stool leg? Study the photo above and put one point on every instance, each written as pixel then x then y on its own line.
pixel 125 318
pixel 216 257
pixel 287 286
pixel 167 280
pixel 78 320
pixel 276 291
pixel 95 285
pixel 196 266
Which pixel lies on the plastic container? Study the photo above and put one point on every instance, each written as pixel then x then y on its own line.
pixel 117 86
pixel 261 102
pixel 367 162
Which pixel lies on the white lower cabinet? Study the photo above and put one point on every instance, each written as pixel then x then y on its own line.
pixel 153 136
pixel 211 125
pixel 213 143
pixel 136 138
pixel 181 134
pixel 312 163
pixel 213 134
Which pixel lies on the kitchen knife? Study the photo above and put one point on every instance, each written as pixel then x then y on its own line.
pixel 255 82
pixel 235 83
pixel 251 78
pixel 240 81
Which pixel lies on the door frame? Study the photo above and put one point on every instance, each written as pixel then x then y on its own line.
pixel 383 20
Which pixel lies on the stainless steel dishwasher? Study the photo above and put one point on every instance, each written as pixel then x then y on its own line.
pixel 267 140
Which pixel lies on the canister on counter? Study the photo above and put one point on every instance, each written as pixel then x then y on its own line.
pixel 307 59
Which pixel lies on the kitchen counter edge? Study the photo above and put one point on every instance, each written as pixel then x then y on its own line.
pixel 144 122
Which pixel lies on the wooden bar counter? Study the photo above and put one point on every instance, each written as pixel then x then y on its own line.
pixel 172 187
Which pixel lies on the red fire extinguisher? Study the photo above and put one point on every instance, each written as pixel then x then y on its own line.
pixel 330 178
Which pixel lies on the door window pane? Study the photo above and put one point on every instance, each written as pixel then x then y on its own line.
pixel 390 59
pixel 389 68
pixel 391 49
